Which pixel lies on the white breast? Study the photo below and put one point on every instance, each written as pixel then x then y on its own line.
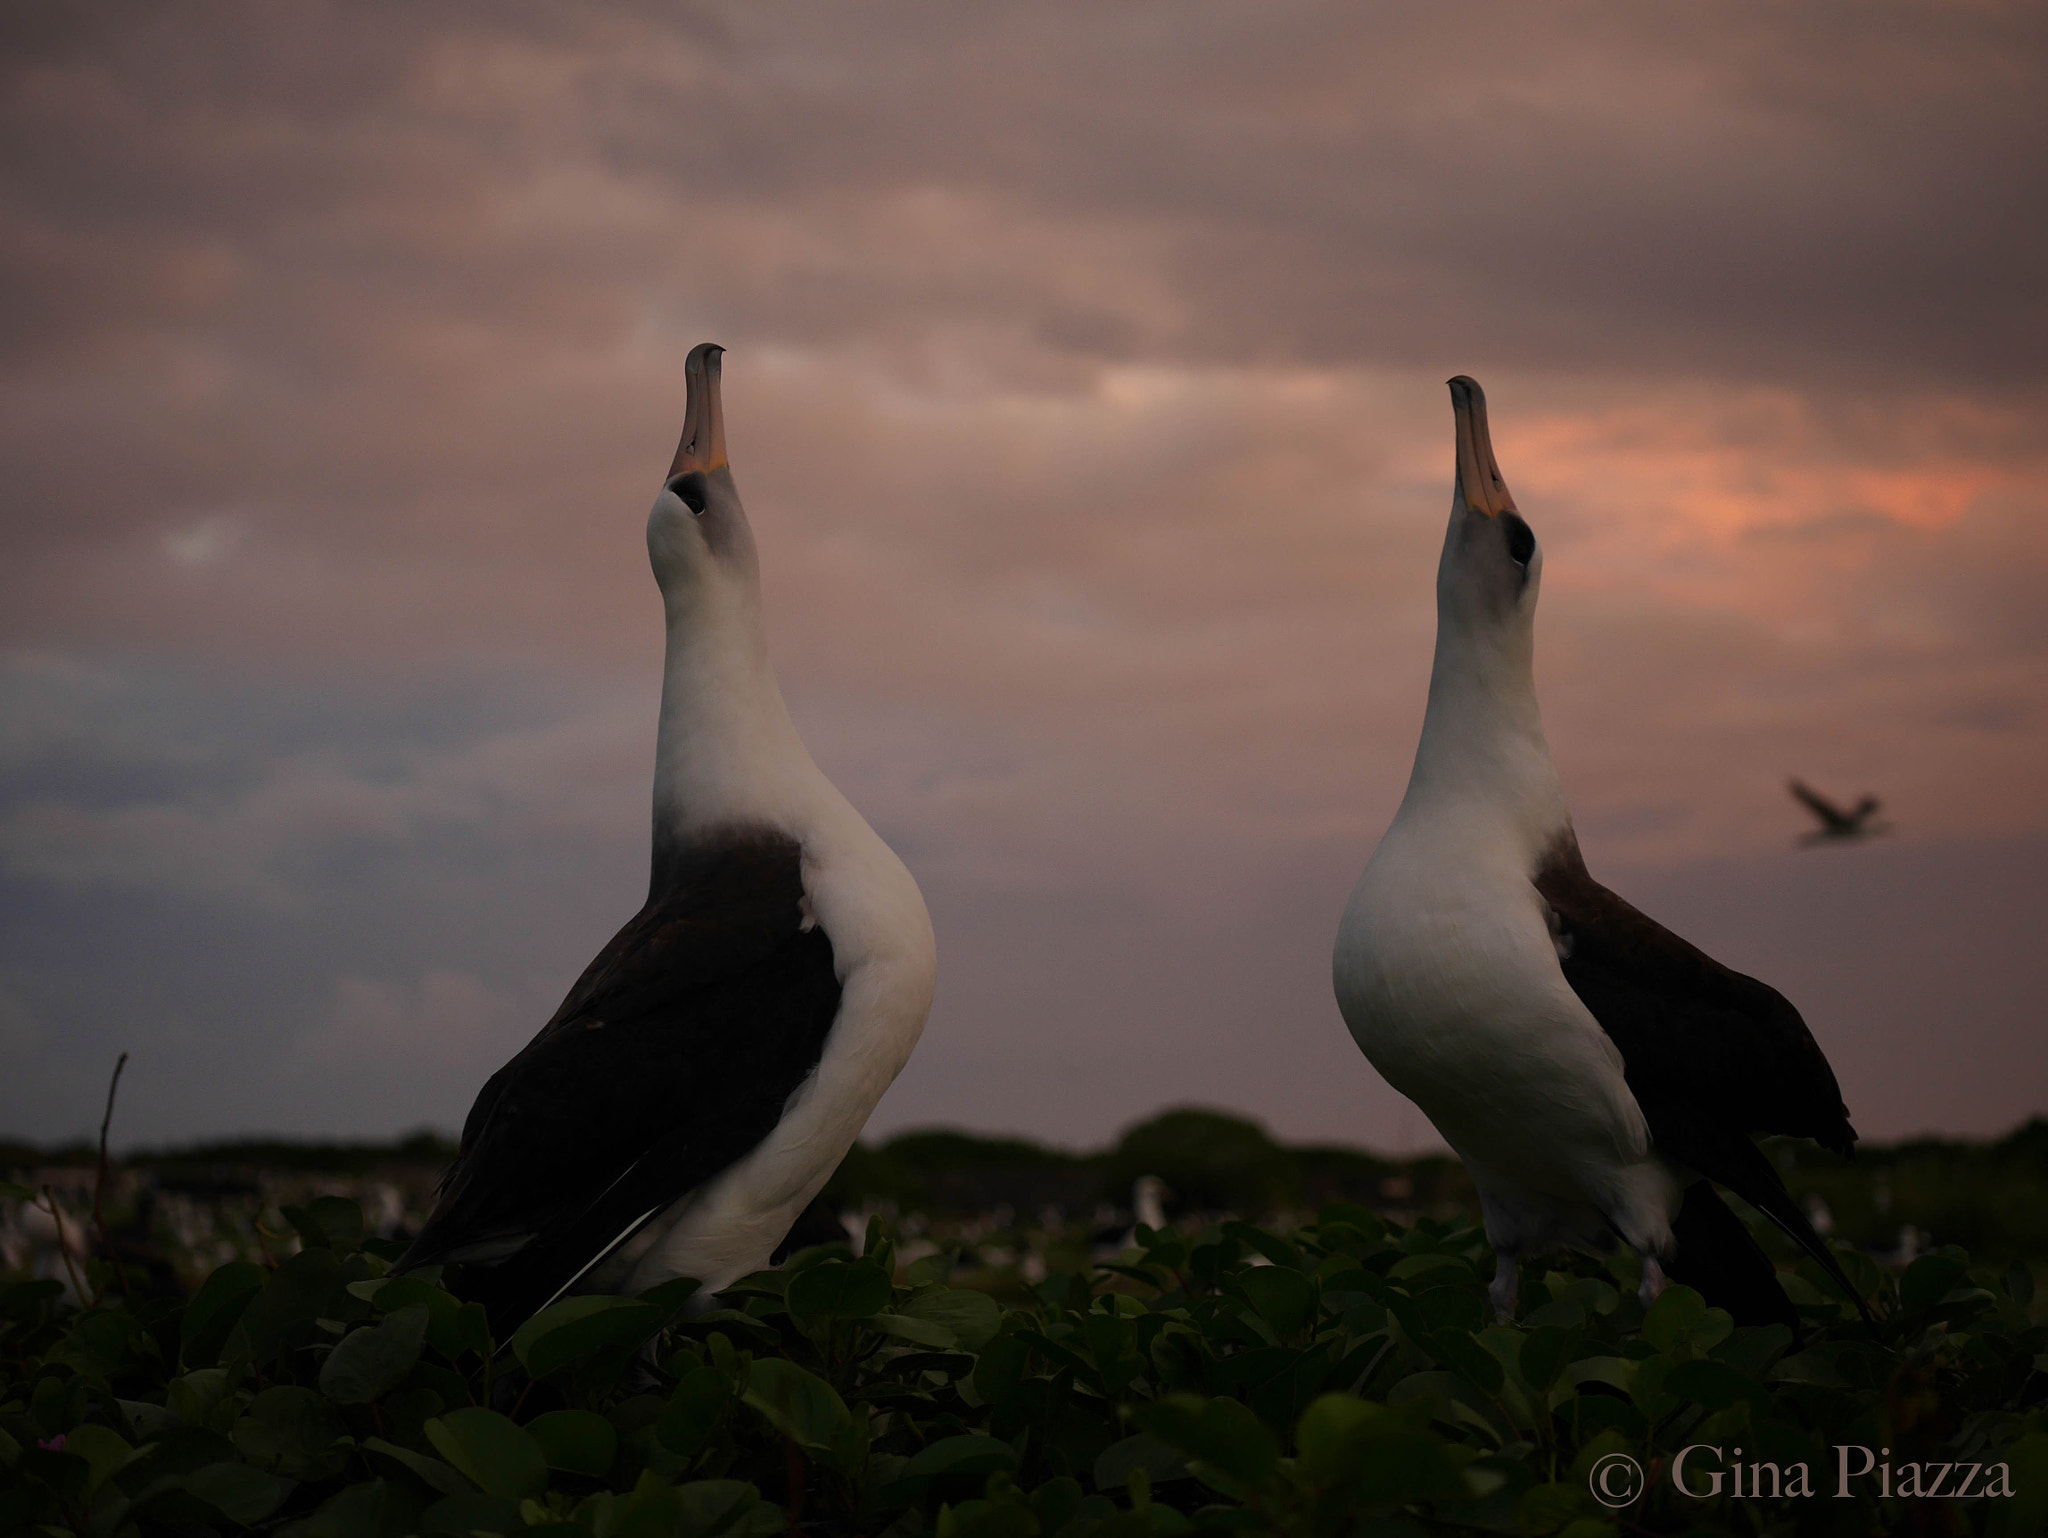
pixel 1447 977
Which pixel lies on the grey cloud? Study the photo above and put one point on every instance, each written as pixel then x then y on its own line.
pixel 1085 391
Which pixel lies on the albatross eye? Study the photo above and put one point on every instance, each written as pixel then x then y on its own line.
pixel 690 487
pixel 1521 540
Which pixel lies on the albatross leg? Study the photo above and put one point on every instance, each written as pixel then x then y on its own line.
pixel 1506 1286
pixel 1653 1281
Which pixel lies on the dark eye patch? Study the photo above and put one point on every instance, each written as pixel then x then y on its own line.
pixel 1521 539
pixel 690 487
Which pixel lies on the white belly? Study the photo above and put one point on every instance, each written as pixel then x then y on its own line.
pixel 1462 1008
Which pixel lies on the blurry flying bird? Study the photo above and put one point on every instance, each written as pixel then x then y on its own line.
pixel 1594 1071
pixel 1837 825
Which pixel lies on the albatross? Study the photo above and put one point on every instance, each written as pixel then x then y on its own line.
pixel 713 1064
pixel 1598 1075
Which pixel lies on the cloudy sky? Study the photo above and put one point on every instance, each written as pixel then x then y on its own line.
pixel 1085 384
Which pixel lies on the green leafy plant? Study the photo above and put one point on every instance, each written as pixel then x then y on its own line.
pixel 1342 1378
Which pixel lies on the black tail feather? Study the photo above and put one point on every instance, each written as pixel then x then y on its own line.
pixel 1735 1160
pixel 1717 1258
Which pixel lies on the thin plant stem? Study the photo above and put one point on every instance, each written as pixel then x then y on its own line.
pixel 99 1184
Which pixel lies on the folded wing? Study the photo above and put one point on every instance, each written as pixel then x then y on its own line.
pixel 1712 1056
pixel 672 1057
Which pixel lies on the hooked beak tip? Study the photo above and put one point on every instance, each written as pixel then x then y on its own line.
pixel 1480 488
pixel 703 443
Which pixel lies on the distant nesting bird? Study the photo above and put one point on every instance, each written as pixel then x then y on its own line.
pixel 1836 825
pixel 1112 1241
pixel 712 1066
pixel 1594 1071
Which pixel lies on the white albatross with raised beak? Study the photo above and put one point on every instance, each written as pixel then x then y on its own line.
pixel 1595 1072
pixel 711 1067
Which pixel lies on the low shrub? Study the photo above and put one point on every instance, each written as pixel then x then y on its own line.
pixel 1340 1379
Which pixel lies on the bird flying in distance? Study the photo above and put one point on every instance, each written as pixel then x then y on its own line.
pixel 1836 825
pixel 1598 1075
pixel 713 1064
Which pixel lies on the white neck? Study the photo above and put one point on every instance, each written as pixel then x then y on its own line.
pixel 727 750
pixel 1483 756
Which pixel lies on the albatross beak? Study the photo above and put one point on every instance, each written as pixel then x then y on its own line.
pixel 1480 488
pixel 703 445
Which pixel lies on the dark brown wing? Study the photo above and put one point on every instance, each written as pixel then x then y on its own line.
pixel 671 1058
pixel 1712 1056
pixel 1832 817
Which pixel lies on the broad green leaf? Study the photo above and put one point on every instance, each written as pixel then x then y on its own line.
pixel 1057 1502
pixel 1470 1360
pixel 713 1507
pixel 305 1287
pixel 932 1268
pixel 1459 1307
pixel 148 1420
pixel 1276 1249
pixel 1555 1507
pixel 670 1297
pixel 460 1516
pixel 1651 1390
pixel 1143 1451
pixel 1615 1371
pixel 1228 1440
pixel 1000 1369
pixel 292 1431
pixel 99 1342
pixel 366 1364
pixel 758 1284
pixel 1284 1298
pixel 1545 1350
pixel 580 1327
pixel 1929 1279
pixel 798 1404
pixel 693 1409
pixel 1753 1349
pixel 651 1510
pixel 376 1508
pixel 1437 1267
pixel 962 1455
pixel 490 1451
pixel 575 1441
pixel 1716 1385
pixel 471 1332
pixel 1404 1466
pixel 63 1473
pixel 973 1317
pixel 838 1289
pixel 1676 1310
pixel 328 1223
pixel 756 1333
pixel 1445 1395
pixel 103 1450
pixel 216 1308
pixel 431 1472
pixel 445 1332
pixel 201 1398
pixel 238 1492
pixel 2025 1511
pixel 1332 1430
pixel 919 1332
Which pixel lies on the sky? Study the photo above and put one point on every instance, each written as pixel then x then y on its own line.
pixel 1085 387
